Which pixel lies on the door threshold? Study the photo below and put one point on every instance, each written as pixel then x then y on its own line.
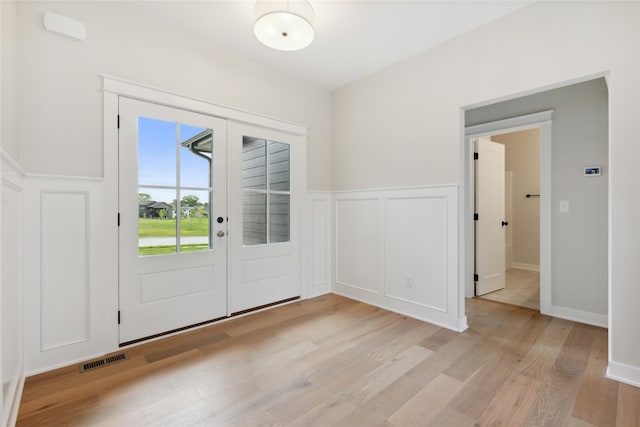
pixel 196 325
pixel 173 331
pixel 249 310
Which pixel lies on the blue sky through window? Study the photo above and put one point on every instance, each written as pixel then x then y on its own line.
pixel 157 159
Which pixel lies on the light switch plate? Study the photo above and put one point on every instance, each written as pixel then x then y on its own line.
pixel 564 206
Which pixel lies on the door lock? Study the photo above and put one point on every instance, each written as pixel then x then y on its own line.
pixel 220 233
pixel 504 223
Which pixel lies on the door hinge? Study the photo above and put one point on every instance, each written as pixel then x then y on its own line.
pixel 475 216
pixel 118 317
pixel 475 278
pixel 118 219
pixel 475 155
pixel 118 121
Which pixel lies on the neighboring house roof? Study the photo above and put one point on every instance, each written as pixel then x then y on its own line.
pixel 160 205
pixel 146 203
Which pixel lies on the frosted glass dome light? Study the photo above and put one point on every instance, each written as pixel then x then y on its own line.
pixel 284 24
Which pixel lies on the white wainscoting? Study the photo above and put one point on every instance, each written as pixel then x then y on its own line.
pixel 316 220
pixel 11 309
pixel 64 286
pixel 397 249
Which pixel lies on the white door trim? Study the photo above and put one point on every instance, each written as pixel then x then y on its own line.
pixel 171 99
pixel 543 121
pixel 114 87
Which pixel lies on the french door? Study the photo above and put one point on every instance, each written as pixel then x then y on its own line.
pixel 173 210
pixel 264 216
pixel 209 218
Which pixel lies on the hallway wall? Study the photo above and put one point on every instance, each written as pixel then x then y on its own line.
pixel 579 238
pixel 522 158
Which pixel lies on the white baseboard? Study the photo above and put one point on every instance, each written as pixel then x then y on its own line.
pixel 460 327
pixel 462 324
pixel 15 405
pixel 580 316
pixel 624 373
pixel 523 266
pixel 318 294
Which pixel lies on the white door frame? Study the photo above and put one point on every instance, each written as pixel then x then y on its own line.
pixel 114 87
pixel 543 121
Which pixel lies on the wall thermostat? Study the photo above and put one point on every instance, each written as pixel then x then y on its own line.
pixel 592 171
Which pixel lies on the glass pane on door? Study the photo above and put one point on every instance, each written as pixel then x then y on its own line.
pixel 254 219
pixel 156 152
pixel 156 221
pixel 278 166
pixel 254 165
pixel 279 218
pixel 195 213
pixel 168 151
pixel 266 191
pixel 196 158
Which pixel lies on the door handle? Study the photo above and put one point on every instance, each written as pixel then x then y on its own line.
pixel 220 233
pixel 504 223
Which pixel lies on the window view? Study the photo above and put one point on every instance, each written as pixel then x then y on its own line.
pixel 175 187
pixel 266 191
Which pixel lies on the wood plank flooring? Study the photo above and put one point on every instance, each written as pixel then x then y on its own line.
pixel 331 361
pixel 522 287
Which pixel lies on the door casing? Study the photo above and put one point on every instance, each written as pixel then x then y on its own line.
pixel 543 121
pixel 113 87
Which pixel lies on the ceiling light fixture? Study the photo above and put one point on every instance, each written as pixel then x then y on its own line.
pixel 284 24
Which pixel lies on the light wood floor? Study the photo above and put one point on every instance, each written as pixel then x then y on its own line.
pixel 333 361
pixel 522 287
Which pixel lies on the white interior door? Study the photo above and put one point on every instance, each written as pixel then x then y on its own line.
pixel 264 216
pixel 491 223
pixel 172 204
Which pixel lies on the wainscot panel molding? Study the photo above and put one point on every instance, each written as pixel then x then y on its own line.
pixel 316 246
pixel 64 280
pixel 397 249
pixel 11 311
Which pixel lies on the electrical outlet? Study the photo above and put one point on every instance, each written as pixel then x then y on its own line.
pixel 408 280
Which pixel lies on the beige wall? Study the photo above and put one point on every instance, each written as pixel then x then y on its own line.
pixel 522 158
pixel 404 125
pixel 61 102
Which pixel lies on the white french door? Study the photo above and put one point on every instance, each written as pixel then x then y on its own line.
pixel 209 218
pixel 264 216
pixel 173 210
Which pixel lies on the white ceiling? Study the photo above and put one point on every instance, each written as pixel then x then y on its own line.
pixel 353 38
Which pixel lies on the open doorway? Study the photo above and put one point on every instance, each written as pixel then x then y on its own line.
pixel 573 193
pixel 520 226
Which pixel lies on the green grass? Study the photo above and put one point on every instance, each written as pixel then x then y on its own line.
pixel 162 250
pixel 167 227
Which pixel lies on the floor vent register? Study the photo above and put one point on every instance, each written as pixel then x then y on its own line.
pixel 95 364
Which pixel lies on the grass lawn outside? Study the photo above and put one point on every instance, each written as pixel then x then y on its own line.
pixel 163 250
pixel 152 227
